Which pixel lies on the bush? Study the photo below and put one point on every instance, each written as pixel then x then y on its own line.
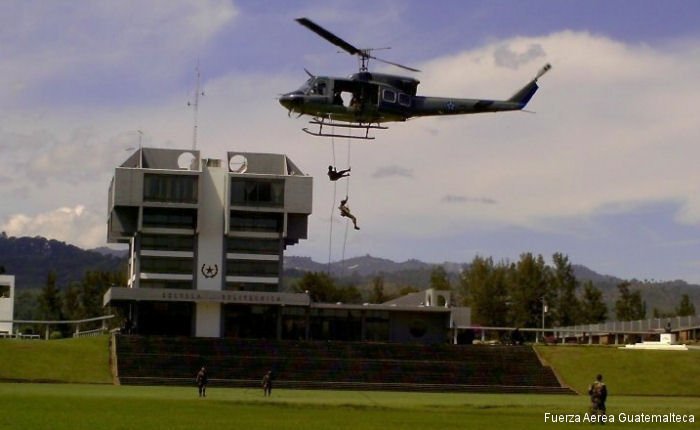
pixel 55 335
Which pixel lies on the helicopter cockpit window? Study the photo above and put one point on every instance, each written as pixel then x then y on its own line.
pixel 404 99
pixel 317 87
pixel 306 88
pixel 389 96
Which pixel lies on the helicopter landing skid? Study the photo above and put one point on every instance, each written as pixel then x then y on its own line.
pixel 321 133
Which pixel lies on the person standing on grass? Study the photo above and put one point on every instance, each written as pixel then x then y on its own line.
pixel 202 381
pixel 599 393
pixel 267 383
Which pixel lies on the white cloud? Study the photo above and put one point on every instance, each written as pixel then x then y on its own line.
pixel 75 225
pixel 393 170
pixel 450 198
pixel 68 53
pixel 506 57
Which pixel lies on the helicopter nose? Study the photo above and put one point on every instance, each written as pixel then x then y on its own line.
pixel 290 100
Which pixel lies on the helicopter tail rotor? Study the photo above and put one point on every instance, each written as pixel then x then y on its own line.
pixel 542 71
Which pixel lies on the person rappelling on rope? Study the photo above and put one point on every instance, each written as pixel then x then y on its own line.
pixel 345 211
pixel 334 175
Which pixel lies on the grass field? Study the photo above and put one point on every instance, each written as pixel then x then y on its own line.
pixel 100 405
pixel 83 360
pixel 626 371
pixel 66 406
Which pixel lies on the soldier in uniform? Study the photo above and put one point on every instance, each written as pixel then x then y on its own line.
pixel 334 175
pixel 202 381
pixel 599 393
pixel 267 383
pixel 345 211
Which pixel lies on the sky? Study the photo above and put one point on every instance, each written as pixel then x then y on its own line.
pixel 605 170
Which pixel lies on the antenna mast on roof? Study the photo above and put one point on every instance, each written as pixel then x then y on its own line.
pixel 197 93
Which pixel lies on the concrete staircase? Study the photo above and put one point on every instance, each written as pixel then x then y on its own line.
pixel 335 365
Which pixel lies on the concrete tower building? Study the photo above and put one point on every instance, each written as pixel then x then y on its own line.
pixel 205 235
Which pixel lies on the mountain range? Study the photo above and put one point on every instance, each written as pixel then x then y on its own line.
pixel 31 258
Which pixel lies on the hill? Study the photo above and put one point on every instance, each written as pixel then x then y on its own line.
pixel 30 259
pixel 360 271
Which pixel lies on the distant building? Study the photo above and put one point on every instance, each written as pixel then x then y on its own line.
pixel 7 303
pixel 206 242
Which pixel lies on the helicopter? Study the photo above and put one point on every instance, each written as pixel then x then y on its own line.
pixel 366 100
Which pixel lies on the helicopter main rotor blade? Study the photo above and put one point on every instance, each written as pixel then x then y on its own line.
pixel 328 36
pixel 393 64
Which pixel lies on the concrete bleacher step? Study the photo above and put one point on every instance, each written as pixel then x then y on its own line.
pixel 359 386
pixel 338 365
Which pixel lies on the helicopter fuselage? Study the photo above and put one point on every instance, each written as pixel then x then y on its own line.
pixel 377 98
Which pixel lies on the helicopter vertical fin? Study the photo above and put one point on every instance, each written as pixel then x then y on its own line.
pixel 523 96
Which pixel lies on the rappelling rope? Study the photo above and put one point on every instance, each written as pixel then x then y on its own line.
pixel 347 193
pixel 335 186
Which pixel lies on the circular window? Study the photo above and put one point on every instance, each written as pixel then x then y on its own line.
pixel 238 164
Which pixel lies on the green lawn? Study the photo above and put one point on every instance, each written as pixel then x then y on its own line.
pixel 67 360
pixel 626 371
pixel 64 406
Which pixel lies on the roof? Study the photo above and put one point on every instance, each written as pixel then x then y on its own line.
pixel 411 299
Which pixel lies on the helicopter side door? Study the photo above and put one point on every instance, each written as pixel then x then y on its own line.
pixel 394 102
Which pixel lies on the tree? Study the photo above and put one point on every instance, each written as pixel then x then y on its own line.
pixel 528 285
pixel 71 303
pixel 564 304
pixel 629 305
pixel 407 289
pixel 377 295
pixel 50 300
pixel 484 288
pixel 686 307
pixel 593 309
pixel 322 288
pixel 319 285
pixel 659 314
pixel 439 279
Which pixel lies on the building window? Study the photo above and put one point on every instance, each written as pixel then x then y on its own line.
pixel 253 246
pixel 170 188
pixel 4 291
pixel 255 192
pixel 166 265
pixel 377 326
pixel 167 242
pixel 163 284
pixel 256 222
pixel 169 218
pixel 252 268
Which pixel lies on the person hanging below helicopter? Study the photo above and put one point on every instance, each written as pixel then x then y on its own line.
pixel 334 175
pixel 345 212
